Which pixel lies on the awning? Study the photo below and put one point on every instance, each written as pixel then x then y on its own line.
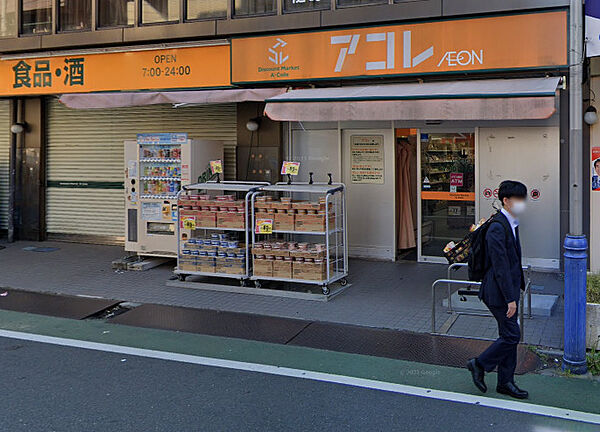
pixel 195 97
pixel 495 99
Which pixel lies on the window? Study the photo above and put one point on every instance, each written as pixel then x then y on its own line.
pixel 160 11
pixel 305 5
pixel 255 7
pixel 200 9
pixel 75 15
pixel 36 16
pixel 116 13
pixel 8 18
pixel 359 2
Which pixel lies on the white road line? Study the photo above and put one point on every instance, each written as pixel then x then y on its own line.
pixel 509 405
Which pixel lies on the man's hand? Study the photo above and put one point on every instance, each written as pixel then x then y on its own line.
pixel 512 308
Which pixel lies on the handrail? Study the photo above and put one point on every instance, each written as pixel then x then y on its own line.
pixel 463 282
pixel 526 268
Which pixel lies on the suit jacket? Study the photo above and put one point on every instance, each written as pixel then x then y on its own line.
pixel 504 277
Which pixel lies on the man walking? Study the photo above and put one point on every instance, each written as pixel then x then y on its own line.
pixel 500 291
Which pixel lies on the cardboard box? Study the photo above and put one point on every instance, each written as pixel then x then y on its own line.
pixel 278 205
pixel 284 221
pixel 206 219
pixel 206 264
pixel 231 220
pixel 236 266
pixel 282 269
pixel 307 254
pixel 187 264
pixel 309 271
pixel 312 222
pixel 262 267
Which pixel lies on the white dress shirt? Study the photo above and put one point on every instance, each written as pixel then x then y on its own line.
pixel 513 221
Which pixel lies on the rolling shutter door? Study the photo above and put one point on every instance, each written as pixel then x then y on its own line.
pixel 4 161
pixel 85 168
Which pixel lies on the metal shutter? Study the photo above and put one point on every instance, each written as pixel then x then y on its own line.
pixel 4 161
pixel 87 146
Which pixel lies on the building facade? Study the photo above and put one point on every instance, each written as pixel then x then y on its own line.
pixel 420 107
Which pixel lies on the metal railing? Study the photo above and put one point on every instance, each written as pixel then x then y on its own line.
pixel 449 282
pixel 526 269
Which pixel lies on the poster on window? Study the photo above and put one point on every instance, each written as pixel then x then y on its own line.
pixel 596 169
pixel 367 164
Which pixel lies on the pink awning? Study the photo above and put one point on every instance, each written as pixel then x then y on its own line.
pixel 432 109
pixel 494 99
pixel 194 97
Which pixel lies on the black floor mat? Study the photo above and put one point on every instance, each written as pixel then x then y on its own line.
pixel 402 345
pixel 52 305
pixel 211 322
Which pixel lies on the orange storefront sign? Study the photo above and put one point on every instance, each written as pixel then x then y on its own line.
pixel 505 42
pixel 194 67
pixel 447 196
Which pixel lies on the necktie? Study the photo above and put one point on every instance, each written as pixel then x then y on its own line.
pixel 518 240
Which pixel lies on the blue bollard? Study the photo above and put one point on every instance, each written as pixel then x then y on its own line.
pixel 575 303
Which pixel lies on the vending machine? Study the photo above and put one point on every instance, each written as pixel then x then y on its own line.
pixel 156 167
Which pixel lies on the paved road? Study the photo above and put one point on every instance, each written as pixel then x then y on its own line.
pixel 54 388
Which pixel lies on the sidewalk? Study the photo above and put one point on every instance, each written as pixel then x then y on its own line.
pixel 381 294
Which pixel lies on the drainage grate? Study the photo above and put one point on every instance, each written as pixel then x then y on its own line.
pixel 51 304
pixel 215 323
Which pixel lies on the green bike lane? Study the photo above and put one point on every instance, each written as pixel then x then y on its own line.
pixel 554 396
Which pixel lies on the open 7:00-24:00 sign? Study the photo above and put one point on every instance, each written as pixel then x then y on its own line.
pixel 166 71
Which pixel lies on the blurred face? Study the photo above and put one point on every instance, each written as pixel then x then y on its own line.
pixel 515 205
pixel 597 168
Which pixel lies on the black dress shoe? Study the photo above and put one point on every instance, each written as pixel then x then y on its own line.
pixel 477 373
pixel 512 390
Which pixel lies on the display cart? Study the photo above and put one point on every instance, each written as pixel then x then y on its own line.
pixel 195 249
pixel 296 222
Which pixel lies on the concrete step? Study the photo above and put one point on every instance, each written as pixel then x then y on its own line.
pixel 541 304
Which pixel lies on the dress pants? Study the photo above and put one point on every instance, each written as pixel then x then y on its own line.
pixel 503 352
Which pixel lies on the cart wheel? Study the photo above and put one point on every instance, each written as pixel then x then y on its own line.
pixel 257 284
pixel 344 282
pixel 181 277
pixel 326 290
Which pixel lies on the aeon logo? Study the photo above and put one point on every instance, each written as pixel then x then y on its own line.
pixel 462 58
pixel 277 52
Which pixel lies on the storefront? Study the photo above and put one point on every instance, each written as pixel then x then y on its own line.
pixel 90 108
pixel 423 160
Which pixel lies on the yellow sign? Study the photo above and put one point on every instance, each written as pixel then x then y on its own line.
pixel 291 168
pixel 206 66
pixel 264 226
pixel 501 42
pixel 216 166
pixel 188 222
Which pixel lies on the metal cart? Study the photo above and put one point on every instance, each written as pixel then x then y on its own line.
pixel 241 188
pixel 335 234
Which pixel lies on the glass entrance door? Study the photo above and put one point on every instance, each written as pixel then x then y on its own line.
pixel 446 191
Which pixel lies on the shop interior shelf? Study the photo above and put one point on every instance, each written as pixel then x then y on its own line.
pixel 335 276
pixel 213 274
pixel 314 188
pixel 223 186
pixel 221 229
pixel 332 231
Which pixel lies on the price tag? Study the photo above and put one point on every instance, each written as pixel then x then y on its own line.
pixel 188 222
pixel 264 226
pixel 216 166
pixel 290 168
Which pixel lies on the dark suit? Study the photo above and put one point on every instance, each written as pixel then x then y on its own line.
pixel 502 284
